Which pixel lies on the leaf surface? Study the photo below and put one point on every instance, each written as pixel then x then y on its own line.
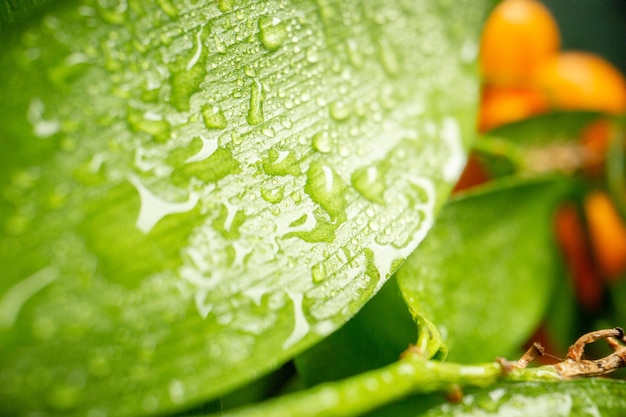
pixel 193 192
pixel 584 397
pixel 486 271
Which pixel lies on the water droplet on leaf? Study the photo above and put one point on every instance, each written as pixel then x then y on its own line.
pixel 318 273
pixel 255 112
pixel 321 142
pixel 272 32
pixel 213 117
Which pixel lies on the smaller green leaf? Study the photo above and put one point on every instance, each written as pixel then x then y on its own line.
pixel 486 270
pixel 543 129
pixel 585 397
pixel 540 144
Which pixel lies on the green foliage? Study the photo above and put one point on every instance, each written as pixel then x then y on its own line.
pixel 194 194
pixel 575 398
pixel 486 270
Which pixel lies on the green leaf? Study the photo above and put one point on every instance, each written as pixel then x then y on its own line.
pixel 485 273
pixel 584 397
pixel 194 192
pixel 545 143
pixel 546 128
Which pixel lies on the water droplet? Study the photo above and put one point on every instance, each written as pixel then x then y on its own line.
pixel 451 135
pixel 225 5
pixel 272 195
pixel 312 55
pixel 41 128
pixel 268 131
pixel 339 110
pixel 17 295
pixel 286 122
pixel 281 163
pixel 213 117
pixel 168 7
pixel 153 208
pixel 196 56
pixel 113 15
pixel 150 123
pixel 321 142
pixel 327 189
pixel 249 70
pixel 369 182
pixel 236 137
pixel 354 54
pixel 208 148
pixel 301 325
pixel 388 58
pixel 219 44
pixel 272 32
pixel 255 113
pixel 177 391
pixel 296 196
pixel 318 273
pixel 229 220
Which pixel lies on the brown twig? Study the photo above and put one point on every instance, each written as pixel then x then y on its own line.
pixel 575 364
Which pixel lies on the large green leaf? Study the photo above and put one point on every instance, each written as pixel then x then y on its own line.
pixel 193 192
pixel 485 273
pixel 375 337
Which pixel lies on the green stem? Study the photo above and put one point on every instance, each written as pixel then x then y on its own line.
pixel 367 391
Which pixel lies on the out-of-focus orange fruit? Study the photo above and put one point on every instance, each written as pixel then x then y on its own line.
pixel 607 234
pixel 518 35
pixel 474 174
pixel 595 139
pixel 570 236
pixel 582 81
pixel 502 105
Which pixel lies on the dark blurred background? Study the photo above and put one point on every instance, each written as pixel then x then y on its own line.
pixel 593 25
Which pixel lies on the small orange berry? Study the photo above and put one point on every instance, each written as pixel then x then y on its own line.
pixel 607 234
pixel 582 81
pixel 595 139
pixel 474 174
pixel 518 35
pixel 570 236
pixel 502 105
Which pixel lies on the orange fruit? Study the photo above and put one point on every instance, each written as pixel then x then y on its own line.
pixel 570 236
pixel 474 174
pixel 595 139
pixel 518 35
pixel 607 234
pixel 582 81
pixel 502 105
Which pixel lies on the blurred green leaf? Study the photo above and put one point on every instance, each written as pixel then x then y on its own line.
pixel 194 192
pixel 13 12
pixel 486 271
pixel 583 397
pixel 540 144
